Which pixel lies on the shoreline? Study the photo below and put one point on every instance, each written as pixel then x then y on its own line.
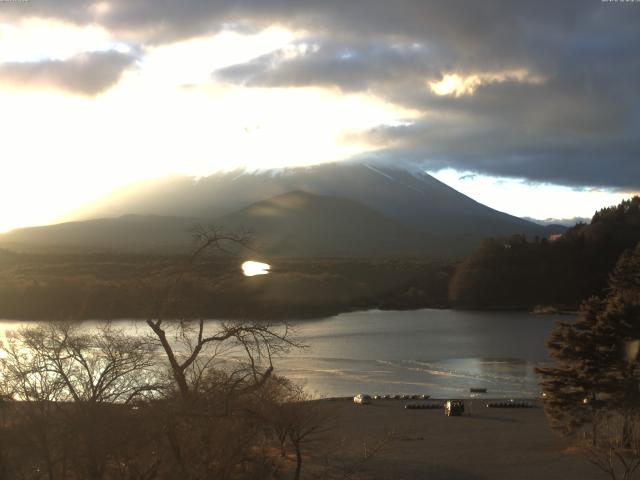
pixel 536 400
pixel 311 316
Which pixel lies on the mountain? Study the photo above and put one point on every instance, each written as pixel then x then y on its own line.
pixel 339 209
pixel 131 233
pixel 411 197
pixel 303 224
pixel 558 222
pixel 292 224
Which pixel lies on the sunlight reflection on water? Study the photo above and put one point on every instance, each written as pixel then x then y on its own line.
pixel 251 268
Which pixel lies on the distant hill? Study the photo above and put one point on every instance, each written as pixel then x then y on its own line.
pixel 131 233
pixel 302 224
pixel 558 222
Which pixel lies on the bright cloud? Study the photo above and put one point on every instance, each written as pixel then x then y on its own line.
pixel 193 61
pixel 36 39
pixel 167 116
pixel 458 85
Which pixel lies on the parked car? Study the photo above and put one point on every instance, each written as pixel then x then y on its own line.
pixel 453 408
pixel 362 399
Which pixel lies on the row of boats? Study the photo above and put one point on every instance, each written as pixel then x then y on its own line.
pixel 433 404
pixel 400 397
pixel 363 398
pixel 511 404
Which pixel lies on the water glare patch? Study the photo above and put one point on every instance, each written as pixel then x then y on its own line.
pixel 251 268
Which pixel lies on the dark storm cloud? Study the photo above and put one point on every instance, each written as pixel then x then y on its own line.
pixel 502 152
pixel 86 74
pixel 465 26
pixel 572 129
pixel 572 119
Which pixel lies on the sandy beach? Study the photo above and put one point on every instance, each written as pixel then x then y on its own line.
pixel 484 443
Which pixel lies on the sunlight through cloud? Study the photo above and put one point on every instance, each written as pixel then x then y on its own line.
pixel 169 116
pixel 458 85
pixel 23 41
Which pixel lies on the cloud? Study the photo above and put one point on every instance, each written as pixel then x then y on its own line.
pixel 316 62
pixel 85 74
pixel 504 150
pixel 540 90
pixel 457 85
pixel 470 27
pixel 504 88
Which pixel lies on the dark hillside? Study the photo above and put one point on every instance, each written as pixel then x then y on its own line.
pixel 521 273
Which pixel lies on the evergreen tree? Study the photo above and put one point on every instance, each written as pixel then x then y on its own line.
pixel 572 387
pixel 625 279
pixel 597 369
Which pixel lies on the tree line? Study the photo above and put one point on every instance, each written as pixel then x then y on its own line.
pixel 521 273
pixel 36 287
pixel 515 273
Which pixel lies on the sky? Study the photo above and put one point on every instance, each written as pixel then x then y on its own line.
pixel 531 107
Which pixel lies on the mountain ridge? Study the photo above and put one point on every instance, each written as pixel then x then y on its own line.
pixel 297 223
pixel 409 195
pixel 292 224
pixel 429 212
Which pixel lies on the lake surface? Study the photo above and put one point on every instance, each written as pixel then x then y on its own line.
pixel 442 353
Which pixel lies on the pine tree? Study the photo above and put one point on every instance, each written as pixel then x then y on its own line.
pixel 597 368
pixel 573 386
pixel 625 279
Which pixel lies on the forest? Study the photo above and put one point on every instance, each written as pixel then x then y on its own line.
pixel 517 273
pixel 125 286
pixel 560 271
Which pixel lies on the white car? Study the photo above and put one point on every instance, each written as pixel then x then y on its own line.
pixel 362 399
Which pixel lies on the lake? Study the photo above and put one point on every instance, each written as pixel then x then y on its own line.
pixel 442 353
pixel 438 352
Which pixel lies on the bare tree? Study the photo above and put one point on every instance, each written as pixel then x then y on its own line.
pixel 103 366
pixel 257 342
pixel 309 422
pixel 215 366
pixel 74 392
